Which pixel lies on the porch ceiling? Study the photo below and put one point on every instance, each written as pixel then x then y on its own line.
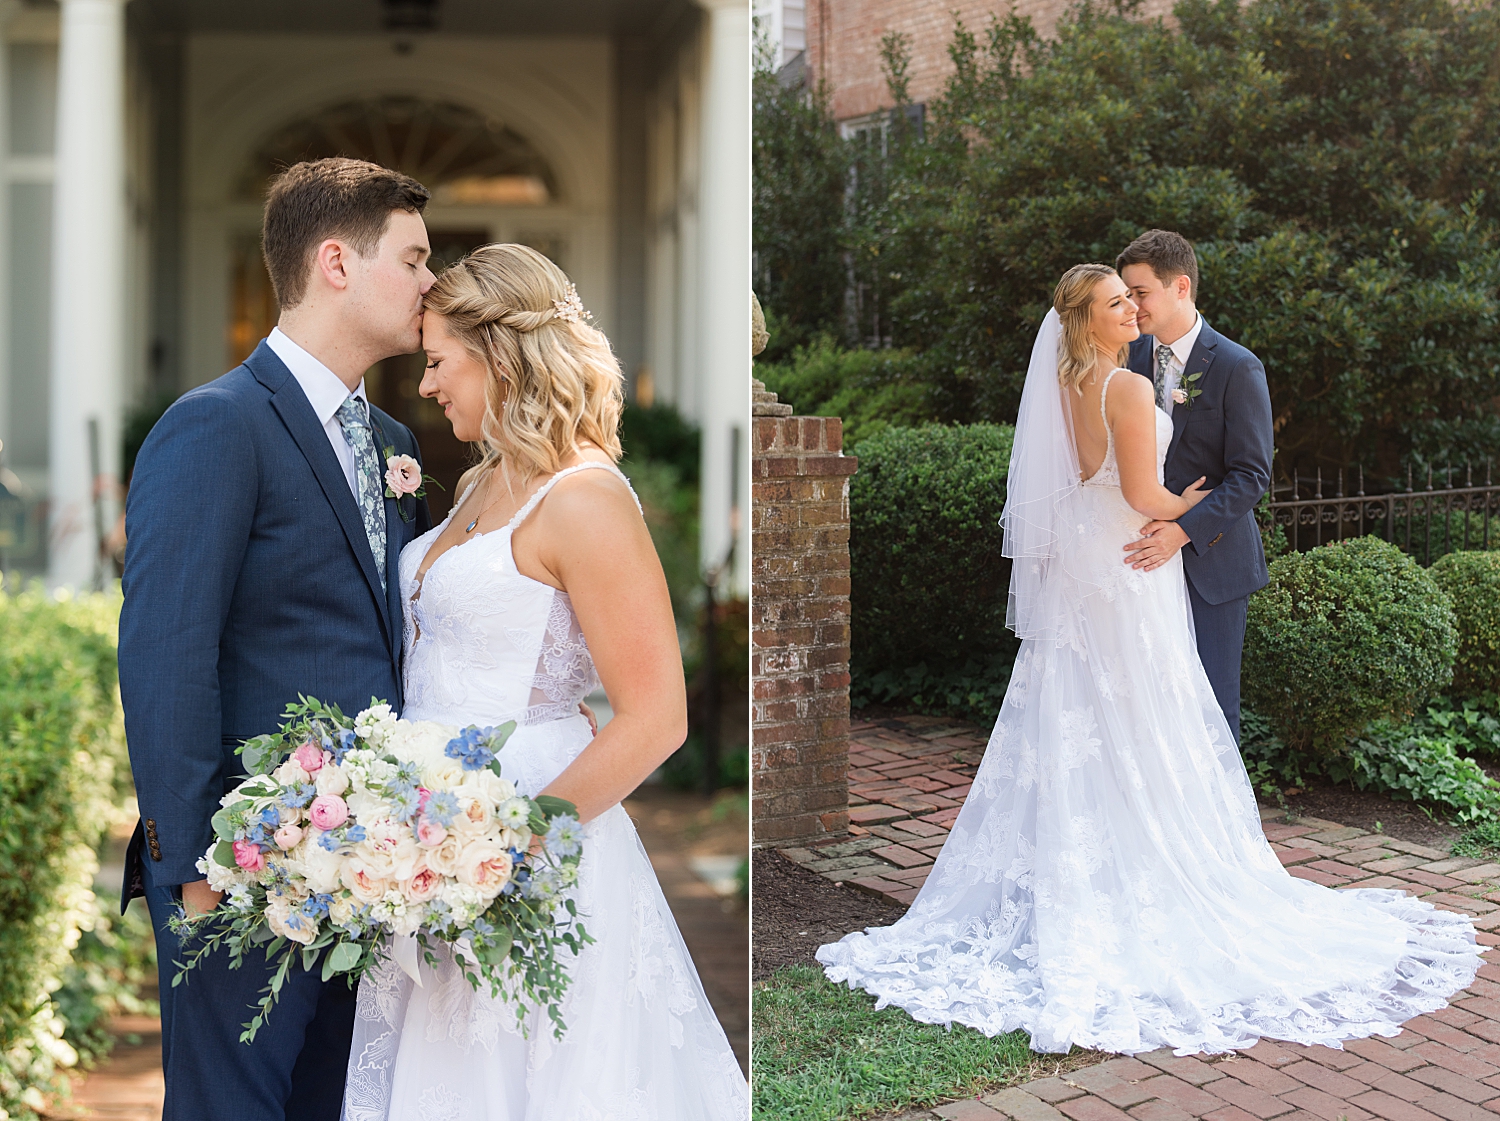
pixel 451 17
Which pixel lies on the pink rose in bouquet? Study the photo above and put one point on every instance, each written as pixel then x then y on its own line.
pixel 287 837
pixel 248 856
pixel 328 811
pixel 309 757
pixel 423 885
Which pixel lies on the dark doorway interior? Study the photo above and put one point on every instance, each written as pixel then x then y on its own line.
pixel 393 386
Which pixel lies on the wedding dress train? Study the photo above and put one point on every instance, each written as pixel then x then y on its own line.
pixel 1107 883
pixel 485 644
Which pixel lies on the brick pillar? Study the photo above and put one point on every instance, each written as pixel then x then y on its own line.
pixel 799 654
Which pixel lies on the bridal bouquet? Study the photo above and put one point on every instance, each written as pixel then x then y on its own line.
pixel 349 831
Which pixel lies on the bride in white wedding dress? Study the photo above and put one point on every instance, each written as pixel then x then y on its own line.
pixel 1107 883
pixel 545 546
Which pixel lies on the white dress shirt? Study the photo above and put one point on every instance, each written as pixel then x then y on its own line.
pixel 1181 350
pixel 325 391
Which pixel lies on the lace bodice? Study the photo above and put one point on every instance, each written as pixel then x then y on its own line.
pixel 485 644
pixel 1108 474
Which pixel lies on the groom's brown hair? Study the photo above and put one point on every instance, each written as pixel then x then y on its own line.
pixel 310 202
pixel 1169 254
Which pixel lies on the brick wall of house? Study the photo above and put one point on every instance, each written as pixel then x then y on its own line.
pixel 799 624
pixel 843 42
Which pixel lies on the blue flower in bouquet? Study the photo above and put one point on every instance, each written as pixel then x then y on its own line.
pixel 471 749
pixel 565 835
pixel 342 743
pixel 298 795
pixel 442 807
pixel 544 885
pixel 405 803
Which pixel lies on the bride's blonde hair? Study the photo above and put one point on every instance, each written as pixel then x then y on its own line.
pixel 553 379
pixel 1073 299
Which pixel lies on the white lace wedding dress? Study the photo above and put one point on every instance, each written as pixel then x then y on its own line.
pixel 1107 883
pixel 485 644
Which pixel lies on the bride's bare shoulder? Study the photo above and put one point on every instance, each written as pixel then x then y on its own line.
pixel 1129 390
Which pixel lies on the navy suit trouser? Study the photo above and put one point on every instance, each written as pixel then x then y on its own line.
pixel 294 1071
pixel 1220 628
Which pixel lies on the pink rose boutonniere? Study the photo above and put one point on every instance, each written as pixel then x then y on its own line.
pixel 403 476
pixel 1184 394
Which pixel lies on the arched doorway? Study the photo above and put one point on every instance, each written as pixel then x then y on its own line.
pixel 465 159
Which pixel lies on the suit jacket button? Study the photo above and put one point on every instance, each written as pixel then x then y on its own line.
pixel 155 851
pixel 1215 541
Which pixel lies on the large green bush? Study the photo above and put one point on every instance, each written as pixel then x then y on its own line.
pixel 60 743
pixel 928 581
pixel 1343 635
pixel 1472 581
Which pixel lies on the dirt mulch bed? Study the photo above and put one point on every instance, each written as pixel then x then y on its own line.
pixel 796 911
pixel 1364 809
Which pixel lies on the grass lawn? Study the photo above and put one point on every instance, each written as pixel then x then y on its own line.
pixel 822 1053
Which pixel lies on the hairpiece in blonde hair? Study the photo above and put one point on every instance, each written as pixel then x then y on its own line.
pixel 570 308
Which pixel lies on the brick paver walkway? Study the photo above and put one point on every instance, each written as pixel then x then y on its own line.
pixel 908 776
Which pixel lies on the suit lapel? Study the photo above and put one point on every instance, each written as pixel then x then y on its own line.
pixel 297 414
pixel 1200 360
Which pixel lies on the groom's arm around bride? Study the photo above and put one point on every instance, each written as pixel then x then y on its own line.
pixel 1215 391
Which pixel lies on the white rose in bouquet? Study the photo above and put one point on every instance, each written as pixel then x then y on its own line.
pixel 445 774
pixel 388 850
pixel 444 858
pixel 291 773
pixel 484 866
pixel 331 780
pixel 363 883
pixel 320 867
pixel 284 918
pixel 475 813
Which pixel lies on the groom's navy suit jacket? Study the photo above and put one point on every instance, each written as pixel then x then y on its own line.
pixel 1227 436
pixel 248 580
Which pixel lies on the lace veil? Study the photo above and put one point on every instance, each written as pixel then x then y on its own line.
pixel 1044 519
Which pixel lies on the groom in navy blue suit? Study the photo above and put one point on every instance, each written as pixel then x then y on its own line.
pixel 262 563
pixel 1215 391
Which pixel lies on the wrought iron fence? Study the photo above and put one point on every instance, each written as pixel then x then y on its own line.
pixel 1463 513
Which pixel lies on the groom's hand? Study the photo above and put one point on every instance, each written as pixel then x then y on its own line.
pixel 199 899
pixel 1159 542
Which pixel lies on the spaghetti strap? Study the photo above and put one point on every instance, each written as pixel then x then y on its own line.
pixel 541 493
pixel 1103 392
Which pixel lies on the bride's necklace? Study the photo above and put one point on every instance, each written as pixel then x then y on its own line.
pixel 484 510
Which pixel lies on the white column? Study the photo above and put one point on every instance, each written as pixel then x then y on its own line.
pixel 723 315
pixel 88 283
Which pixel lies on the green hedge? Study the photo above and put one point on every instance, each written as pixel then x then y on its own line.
pixel 60 745
pixel 928 582
pixel 1343 635
pixel 1472 581
pixel 871 390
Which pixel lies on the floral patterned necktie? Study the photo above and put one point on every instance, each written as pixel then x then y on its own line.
pixel 1163 363
pixel 371 496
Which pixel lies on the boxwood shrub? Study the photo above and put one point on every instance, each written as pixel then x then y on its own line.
pixel 1472 580
pixel 1343 635
pixel 928 582
pixel 60 742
